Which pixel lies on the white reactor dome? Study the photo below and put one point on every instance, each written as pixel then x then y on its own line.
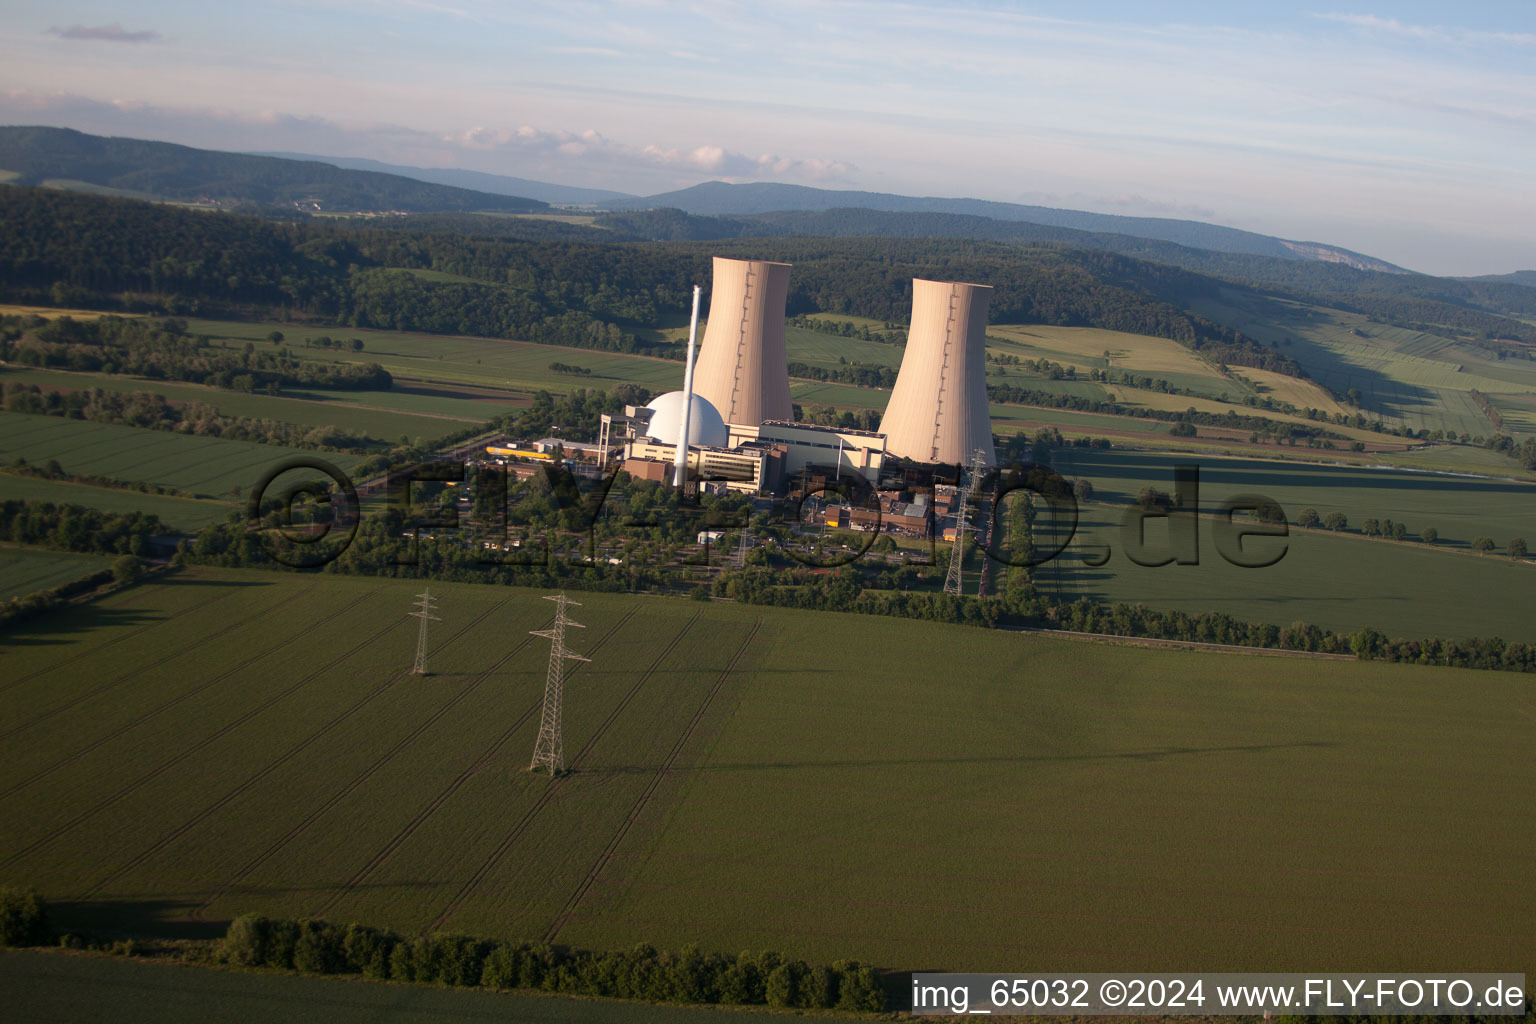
pixel 705 427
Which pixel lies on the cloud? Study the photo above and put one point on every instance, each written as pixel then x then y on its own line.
pixel 574 157
pixel 1429 33
pixel 113 33
pixel 714 160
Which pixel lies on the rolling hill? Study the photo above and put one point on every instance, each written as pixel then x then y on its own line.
pixel 140 169
pixel 723 198
pixel 479 181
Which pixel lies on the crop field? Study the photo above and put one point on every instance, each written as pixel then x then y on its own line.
pixel 199 465
pixel 180 513
pixel 224 742
pixel 453 359
pixel 24 571
pixel 1518 411
pixel 1459 508
pixel 358 412
pixel 1405 376
pixel 1085 348
pixel 1303 394
pixel 12 309
pixel 1338 582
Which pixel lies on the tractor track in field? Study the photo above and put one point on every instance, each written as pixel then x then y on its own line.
pixel 555 784
pixel 248 662
pixel 277 763
pixel 170 763
pixel 357 780
pixel 400 838
pixel 644 800
pixel 60 708
pixel 143 593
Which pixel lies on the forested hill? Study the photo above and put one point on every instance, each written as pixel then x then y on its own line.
pixel 73 249
pixel 160 170
pixel 723 198
pixel 1477 305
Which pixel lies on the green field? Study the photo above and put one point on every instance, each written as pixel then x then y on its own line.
pixel 1459 507
pixel 206 466
pixel 24 570
pixel 748 777
pixel 184 514
pixel 1338 581
pixel 384 415
pixel 457 360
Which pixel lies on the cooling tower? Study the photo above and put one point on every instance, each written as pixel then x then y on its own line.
pixel 938 410
pixel 743 370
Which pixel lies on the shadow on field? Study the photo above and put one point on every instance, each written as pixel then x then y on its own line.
pixel 64 629
pixel 1156 754
pixel 164 918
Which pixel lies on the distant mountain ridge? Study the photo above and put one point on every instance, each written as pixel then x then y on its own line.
pixel 719 198
pixel 63 158
pixel 479 181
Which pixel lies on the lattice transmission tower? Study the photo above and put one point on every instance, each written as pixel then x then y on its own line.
pixel 426 604
pixel 954 580
pixel 549 751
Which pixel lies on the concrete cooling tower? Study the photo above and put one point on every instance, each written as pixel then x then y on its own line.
pixel 743 369
pixel 938 410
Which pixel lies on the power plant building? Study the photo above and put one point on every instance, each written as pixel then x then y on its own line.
pixel 938 412
pixel 743 366
pixel 741 427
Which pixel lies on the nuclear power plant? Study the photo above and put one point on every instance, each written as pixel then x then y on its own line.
pixel 741 431
pixel 938 410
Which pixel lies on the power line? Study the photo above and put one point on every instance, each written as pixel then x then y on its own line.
pixel 426 604
pixel 954 580
pixel 549 750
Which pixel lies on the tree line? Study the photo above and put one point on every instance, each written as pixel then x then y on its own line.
pixel 641 972
pixel 151 411
pixel 164 350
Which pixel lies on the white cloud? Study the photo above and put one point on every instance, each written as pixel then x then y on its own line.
pixel 710 159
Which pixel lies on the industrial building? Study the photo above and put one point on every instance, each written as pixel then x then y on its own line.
pixel 740 424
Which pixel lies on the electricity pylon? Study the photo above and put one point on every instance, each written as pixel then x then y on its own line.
pixel 426 604
pixel 548 750
pixel 954 579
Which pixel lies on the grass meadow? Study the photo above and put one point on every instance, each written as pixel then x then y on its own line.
pixel 913 794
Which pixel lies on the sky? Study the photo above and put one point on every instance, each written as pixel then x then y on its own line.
pixel 1405 131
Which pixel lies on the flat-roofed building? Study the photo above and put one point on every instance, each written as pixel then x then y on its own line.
pixel 807 444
